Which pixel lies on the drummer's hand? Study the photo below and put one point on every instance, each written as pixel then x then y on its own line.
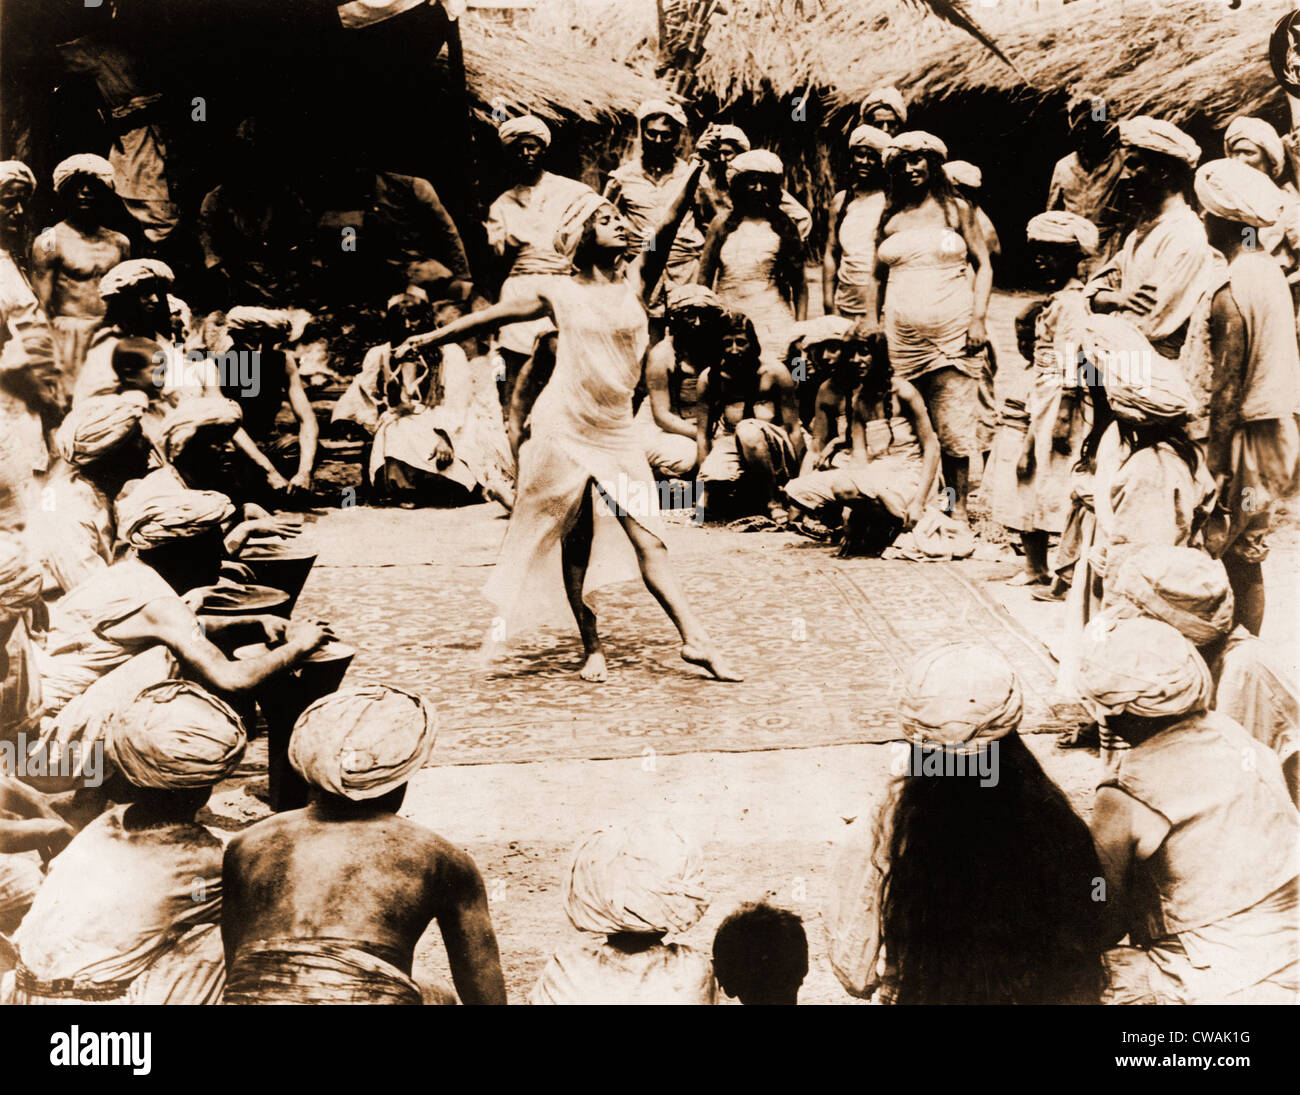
pixel 442 453
pixel 300 483
pixel 193 598
pixel 281 524
pixel 276 481
pixel 274 628
pixel 307 637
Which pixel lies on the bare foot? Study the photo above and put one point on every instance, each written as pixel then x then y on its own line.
pixel 1029 578
pixel 704 657
pixel 593 669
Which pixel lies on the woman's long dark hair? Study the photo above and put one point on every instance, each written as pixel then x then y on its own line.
pixel 1172 432
pixel 989 896
pixel 788 268
pixel 730 322
pixel 939 187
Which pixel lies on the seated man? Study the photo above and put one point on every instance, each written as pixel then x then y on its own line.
pixel 129 910
pixel 760 955
pixel 27 824
pixel 325 905
pixel 1195 830
pixel 1190 591
pixel 668 416
pixel 748 435
pixel 102 448
pixel 817 352
pixel 69 259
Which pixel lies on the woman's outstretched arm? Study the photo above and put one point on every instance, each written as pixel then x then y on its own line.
pixel 484 322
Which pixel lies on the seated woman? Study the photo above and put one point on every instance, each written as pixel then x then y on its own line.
pixel 889 470
pixel 977 884
pixel 628 887
pixel 1197 834
pixel 436 439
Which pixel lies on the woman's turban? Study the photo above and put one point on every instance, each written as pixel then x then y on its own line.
pixel 1257 132
pixel 1143 667
pixel 961 697
pixel 1180 586
pixel 964 173
pixel 868 136
pixel 175 735
pixel 917 140
pixel 515 129
pixel 692 295
pixel 16 172
pixel 732 134
pixel 20 576
pixel 660 108
pixel 363 742
pixel 574 219
pixel 1141 385
pixel 182 424
pixel 813 332
pixel 756 161
pixel 885 96
pixel 134 272
pixel 641 877
pixel 1157 135
pixel 1058 226
pixel 250 318
pixel 162 512
pixel 84 163
pixel 1237 192
pixel 98 425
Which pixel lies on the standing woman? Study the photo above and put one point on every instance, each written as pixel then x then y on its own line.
pixel 583 440
pixel 753 257
pixel 849 265
pixel 933 313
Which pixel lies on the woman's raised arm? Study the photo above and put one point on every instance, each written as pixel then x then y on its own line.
pixel 484 322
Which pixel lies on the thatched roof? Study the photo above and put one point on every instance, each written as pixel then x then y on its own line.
pixel 554 76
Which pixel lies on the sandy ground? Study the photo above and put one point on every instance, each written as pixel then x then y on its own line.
pixel 770 821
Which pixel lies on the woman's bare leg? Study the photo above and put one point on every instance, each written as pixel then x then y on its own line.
pixel 652 557
pixel 575 552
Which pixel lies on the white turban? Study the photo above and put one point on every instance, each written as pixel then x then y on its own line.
pixel 84 163
pixel 1237 192
pixel 652 108
pixel 732 134
pixel 868 136
pixel 885 96
pixel 15 171
pixel 134 272
pixel 1058 226
pixel 362 743
pixel 514 129
pixel 182 424
pixel 964 173
pixel 247 317
pixel 1141 385
pixel 20 576
pixel 959 696
pixel 917 140
pixel 642 877
pixel 162 512
pixel 1157 135
pixel 98 425
pixel 175 735
pixel 756 161
pixel 1257 132
pixel 828 328
pixel 691 295
pixel 574 219
pixel 1143 667
pixel 1180 586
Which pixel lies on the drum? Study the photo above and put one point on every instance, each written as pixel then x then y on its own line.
pixel 244 599
pixel 284 568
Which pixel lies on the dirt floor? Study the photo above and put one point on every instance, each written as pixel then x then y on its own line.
pixel 511 783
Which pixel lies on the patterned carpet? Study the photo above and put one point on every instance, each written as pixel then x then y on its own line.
pixel 821 641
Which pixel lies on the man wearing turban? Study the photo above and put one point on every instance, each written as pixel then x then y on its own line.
pixel 130 912
pixel 884 108
pixel 1197 835
pixel 69 259
pixel 333 864
pixel 643 189
pixel 1254 439
pixel 1188 590
pixel 31 392
pixel 628 886
pixel 717 147
pixel 1086 181
pixel 1255 143
pixel 1165 264
pixel 521 228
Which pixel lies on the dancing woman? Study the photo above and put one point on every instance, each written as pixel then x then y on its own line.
pixel 583 442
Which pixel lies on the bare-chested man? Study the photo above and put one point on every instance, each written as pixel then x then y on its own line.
pixel 749 437
pixel 326 904
pixel 69 259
